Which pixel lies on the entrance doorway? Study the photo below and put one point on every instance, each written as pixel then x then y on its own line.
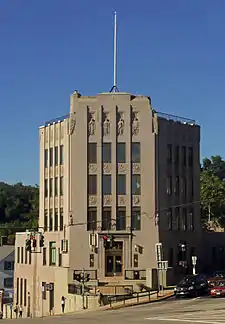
pixel 114 260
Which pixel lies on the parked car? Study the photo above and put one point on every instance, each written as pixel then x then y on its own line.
pixel 192 286
pixel 217 275
pixel 218 290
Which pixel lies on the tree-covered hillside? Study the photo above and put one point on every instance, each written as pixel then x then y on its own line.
pixel 19 208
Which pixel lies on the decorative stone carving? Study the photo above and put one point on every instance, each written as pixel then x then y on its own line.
pixel 71 219
pixel 121 200
pixel 136 200
pixel 92 168
pixel 136 168
pixel 92 200
pixel 91 124
pixel 72 123
pixel 122 167
pixel 135 123
pixel 120 124
pixel 106 124
pixel 107 168
pixel 107 200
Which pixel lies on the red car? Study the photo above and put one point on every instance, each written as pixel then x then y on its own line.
pixel 218 290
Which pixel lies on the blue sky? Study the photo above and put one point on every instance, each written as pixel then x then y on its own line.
pixel 173 51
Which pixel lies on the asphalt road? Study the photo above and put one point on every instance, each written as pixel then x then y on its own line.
pixel 198 310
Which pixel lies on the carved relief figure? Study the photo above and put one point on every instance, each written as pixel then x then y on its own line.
pixel 91 125
pixel 72 123
pixel 106 125
pixel 135 124
pixel 120 125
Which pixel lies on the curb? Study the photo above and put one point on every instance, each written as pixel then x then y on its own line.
pixel 140 303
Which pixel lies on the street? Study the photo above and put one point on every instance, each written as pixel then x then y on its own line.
pixel 198 310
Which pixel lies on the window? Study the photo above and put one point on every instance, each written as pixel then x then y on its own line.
pixel 177 154
pixel 92 261
pixel 45 220
pixel 44 295
pixel 170 219
pixel 52 253
pixel 9 265
pixel 51 157
pixel 136 184
pixel 51 187
pixel 21 291
pixel 61 219
pixel 184 186
pixel 106 153
pixel 135 260
pixel 92 184
pixel 61 155
pixel 106 186
pixel 46 188
pixel 18 255
pixel 46 158
pixel 184 219
pixel 56 187
pixel 191 188
pixel 92 152
pixel 190 156
pixel 56 155
pixel 121 153
pixel 106 219
pixel 184 157
pixel 177 186
pixel 92 219
pixel 136 152
pixel 136 219
pixel 121 219
pixel 17 290
pixel 61 186
pixel 170 257
pixel 191 219
pixel 60 257
pixel 177 218
pixel 169 153
pixel 121 184
pixel 50 220
pixel 21 254
pixel 25 261
pixel 56 219
pixel 44 256
pixel 169 186
pixel 8 282
pixel 30 257
pixel 25 293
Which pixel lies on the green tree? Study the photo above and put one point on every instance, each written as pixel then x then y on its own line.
pixel 216 165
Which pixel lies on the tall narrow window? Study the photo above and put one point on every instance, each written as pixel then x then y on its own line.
pixel 92 261
pixel 51 157
pixel 50 220
pixel 56 220
pixel 21 291
pixel 92 153
pixel 177 218
pixel 169 153
pixel 45 220
pixel 46 158
pixel 170 219
pixel 106 153
pixel 121 152
pixel 44 256
pixel 184 186
pixel 169 185
pixel 184 156
pixel 56 155
pixel 136 152
pixel 51 187
pixel 121 219
pixel 61 186
pixel 52 253
pixel 106 184
pixel 121 184
pixel 30 257
pixel 92 184
pixel 177 186
pixel 177 154
pixel 18 254
pixel 26 252
pixel 136 219
pixel 56 187
pixel 22 254
pixel 46 188
pixel 61 154
pixel 136 184
pixel 190 156
pixel 60 257
pixel 61 220
pixel 184 219
pixel 92 219
pixel 17 290
pixel 106 219
pixel 25 293
pixel 191 219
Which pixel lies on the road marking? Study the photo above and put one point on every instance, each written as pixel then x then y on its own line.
pixel 180 320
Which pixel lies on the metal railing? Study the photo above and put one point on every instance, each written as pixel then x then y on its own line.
pixel 175 118
pixel 135 274
pixel 135 296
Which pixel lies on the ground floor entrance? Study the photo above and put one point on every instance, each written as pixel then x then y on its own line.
pixel 114 260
